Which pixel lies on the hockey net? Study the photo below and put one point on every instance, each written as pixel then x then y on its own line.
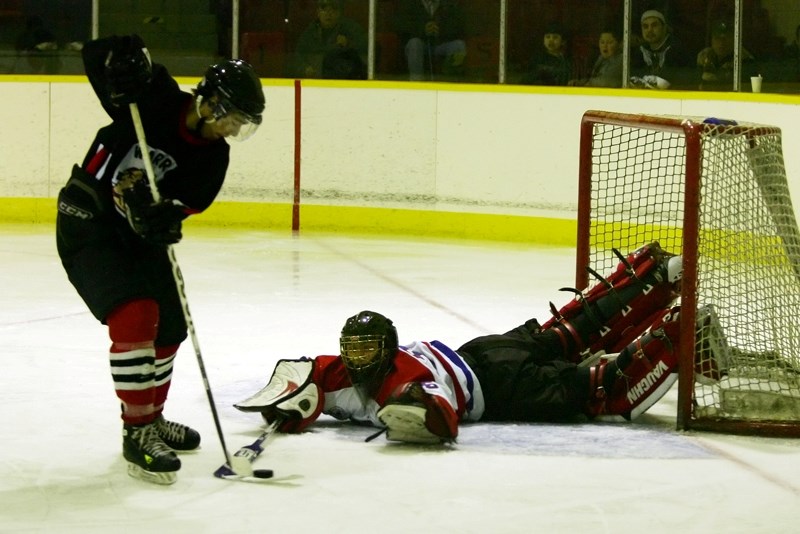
pixel 717 193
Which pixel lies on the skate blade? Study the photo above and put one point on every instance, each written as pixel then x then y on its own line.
pixel 164 479
pixel 185 451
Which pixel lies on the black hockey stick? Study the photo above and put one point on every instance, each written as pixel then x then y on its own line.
pixel 241 465
pixel 176 273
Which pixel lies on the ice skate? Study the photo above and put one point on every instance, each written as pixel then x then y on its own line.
pixel 149 458
pixel 176 436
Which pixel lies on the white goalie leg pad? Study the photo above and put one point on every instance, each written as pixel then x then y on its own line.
pixel 286 390
pixel 406 423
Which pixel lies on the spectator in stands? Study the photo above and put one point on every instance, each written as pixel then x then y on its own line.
pixel 661 61
pixel 332 40
pixel 431 30
pixel 551 64
pixel 716 62
pixel 607 69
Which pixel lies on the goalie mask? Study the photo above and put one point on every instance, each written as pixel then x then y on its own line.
pixel 368 344
pixel 239 96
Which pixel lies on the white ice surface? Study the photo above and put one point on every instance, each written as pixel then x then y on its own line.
pixel 257 297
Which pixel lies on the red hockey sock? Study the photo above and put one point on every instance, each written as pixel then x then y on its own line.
pixel 132 328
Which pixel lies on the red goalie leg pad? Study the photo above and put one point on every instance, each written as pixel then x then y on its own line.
pixel 650 373
pixel 618 309
pixel 132 328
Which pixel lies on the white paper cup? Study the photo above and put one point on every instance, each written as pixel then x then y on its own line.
pixel 755 82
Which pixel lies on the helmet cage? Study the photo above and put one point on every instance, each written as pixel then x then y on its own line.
pixel 364 356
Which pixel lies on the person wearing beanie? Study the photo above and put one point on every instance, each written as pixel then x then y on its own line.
pixel 661 61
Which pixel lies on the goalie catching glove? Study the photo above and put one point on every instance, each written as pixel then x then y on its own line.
pixel 290 395
pixel 417 412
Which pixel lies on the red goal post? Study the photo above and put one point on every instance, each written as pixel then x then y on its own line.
pixel 716 192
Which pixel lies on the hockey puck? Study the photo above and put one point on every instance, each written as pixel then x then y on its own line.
pixel 263 473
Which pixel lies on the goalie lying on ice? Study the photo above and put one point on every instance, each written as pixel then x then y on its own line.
pixel 420 391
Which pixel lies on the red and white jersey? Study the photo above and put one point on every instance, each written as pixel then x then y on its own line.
pixel 430 362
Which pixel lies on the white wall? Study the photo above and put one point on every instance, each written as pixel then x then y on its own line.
pixel 495 149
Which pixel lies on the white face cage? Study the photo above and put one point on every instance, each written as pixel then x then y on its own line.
pixel 362 352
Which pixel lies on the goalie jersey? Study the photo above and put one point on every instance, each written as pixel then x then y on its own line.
pixel 420 361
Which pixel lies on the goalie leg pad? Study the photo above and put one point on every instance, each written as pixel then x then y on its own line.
pixel 618 309
pixel 649 374
pixel 417 413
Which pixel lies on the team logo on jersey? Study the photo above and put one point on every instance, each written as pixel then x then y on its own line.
pixel 74 211
pixel 162 162
pixel 131 168
pixel 127 179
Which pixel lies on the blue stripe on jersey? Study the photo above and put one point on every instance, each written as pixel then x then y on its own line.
pixel 459 362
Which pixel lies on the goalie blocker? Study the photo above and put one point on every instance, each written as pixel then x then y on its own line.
pixel 418 412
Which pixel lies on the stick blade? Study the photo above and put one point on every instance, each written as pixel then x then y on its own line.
pixel 254 475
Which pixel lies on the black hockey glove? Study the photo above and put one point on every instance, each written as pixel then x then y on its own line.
pixel 128 70
pixel 158 223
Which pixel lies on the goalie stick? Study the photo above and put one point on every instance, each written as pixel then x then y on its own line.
pixel 241 463
pixel 180 284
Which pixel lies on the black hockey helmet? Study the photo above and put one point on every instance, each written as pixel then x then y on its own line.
pixel 368 344
pixel 238 89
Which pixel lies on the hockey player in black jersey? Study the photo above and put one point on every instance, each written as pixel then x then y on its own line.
pixel 112 236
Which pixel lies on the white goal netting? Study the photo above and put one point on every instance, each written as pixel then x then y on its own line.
pixel 718 194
